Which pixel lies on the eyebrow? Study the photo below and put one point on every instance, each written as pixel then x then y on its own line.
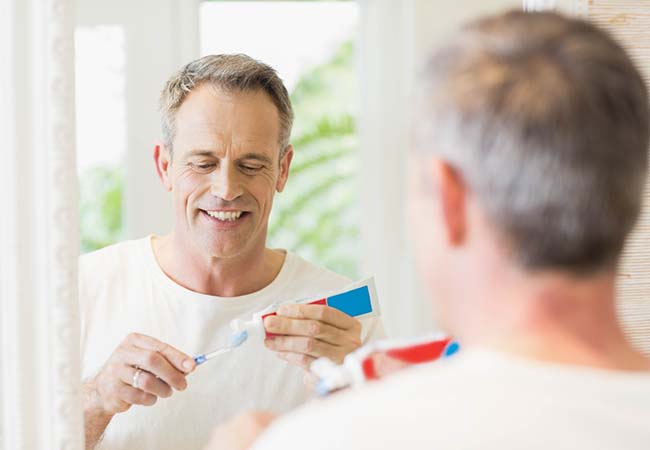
pixel 251 155
pixel 200 153
pixel 258 156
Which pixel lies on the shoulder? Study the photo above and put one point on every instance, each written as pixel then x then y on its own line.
pixel 109 265
pixel 310 278
pixel 112 255
pixel 385 414
pixel 359 419
pixel 106 278
pixel 308 270
pixel 467 402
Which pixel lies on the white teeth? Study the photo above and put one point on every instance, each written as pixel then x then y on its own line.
pixel 227 216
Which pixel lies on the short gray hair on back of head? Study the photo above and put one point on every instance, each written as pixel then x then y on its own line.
pixel 546 119
pixel 232 73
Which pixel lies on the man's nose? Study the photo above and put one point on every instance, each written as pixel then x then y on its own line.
pixel 226 183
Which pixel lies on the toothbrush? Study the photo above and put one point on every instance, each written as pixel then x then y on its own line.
pixel 235 341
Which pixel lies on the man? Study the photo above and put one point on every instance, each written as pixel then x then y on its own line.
pixel 531 152
pixel 149 305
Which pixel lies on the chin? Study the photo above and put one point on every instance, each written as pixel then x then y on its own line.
pixel 223 252
pixel 218 248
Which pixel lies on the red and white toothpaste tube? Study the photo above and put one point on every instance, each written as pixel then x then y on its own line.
pixel 378 359
pixel 358 300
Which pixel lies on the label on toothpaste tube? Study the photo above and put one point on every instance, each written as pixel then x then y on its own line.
pixel 358 300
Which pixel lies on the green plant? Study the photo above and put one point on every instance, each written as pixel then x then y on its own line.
pixel 316 215
pixel 100 205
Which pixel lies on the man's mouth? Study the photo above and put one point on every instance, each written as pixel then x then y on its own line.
pixel 226 216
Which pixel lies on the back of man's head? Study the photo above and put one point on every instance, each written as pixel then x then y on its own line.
pixel 546 119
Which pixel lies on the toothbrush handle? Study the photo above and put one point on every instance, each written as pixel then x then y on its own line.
pixel 200 359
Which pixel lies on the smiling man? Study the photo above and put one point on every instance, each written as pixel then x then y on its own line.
pixel 148 305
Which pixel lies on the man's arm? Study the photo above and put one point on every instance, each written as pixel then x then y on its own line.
pixel 95 418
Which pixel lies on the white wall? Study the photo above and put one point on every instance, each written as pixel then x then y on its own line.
pixel 40 406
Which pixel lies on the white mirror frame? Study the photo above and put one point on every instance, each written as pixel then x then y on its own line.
pixel 39 321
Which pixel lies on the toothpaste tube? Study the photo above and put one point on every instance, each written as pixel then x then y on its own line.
pixel 378 359
pixel 358 300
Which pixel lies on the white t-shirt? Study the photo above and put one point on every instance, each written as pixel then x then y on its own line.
pixel 122 289
pixel 477 400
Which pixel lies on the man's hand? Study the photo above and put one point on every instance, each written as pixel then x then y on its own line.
pixel 385 365
pixel 311 331
pixel 154 366
pixel 240 432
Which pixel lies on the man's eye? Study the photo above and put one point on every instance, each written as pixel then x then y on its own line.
pixel 202 166
pixel 251 168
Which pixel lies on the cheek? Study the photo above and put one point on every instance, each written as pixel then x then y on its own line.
pixel 262 188
pixel 424 252
pixel 424 234
pixel 188 185
pixel 419 214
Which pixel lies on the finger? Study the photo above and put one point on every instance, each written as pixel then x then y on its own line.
pixel 385 365
pixel 297 359
pixel 306 346
pixel 135 396
pixel 155 363
pixel 178 359
pixel 309 328
pixel 146 382
pixel 296 344
pixel 321 313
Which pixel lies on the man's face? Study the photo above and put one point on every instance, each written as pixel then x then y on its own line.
pixel 225 170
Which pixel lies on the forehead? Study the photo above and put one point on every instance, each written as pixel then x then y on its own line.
pixel 213 119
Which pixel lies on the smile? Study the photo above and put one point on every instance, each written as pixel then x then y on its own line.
pixel 225 219
pixel 225 216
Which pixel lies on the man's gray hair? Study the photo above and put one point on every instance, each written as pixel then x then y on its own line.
pixel 546 119
pixel 232 73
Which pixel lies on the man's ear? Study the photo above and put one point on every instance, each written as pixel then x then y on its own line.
pixel 162 159
pixel 285 164
pixel 451 190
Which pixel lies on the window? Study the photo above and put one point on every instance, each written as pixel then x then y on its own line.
pixel 101 132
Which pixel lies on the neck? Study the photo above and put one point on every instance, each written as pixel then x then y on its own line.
pixel 551 317
pixel 223 277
